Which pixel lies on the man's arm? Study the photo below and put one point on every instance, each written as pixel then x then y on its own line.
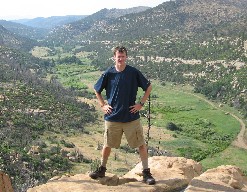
pixel 137 107
pixel 104 106
pixel 146 94
pixel 100 98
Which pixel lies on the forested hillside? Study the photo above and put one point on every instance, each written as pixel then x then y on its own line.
pixel 181 18
pixel 12 40
pixel 30 108
pixel 69 32
pixel 23 30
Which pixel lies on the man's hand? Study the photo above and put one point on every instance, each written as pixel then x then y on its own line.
pixel 135 108
pixel 107 109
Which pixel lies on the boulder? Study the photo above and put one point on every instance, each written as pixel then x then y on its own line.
pixel 225 178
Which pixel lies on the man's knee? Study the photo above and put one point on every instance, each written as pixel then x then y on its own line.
pixel 142 147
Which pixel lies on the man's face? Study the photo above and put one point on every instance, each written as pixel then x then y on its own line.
pixel 120 58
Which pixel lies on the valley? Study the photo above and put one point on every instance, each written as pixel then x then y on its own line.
pixel 195 58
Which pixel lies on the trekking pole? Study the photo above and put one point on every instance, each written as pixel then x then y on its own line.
pixel 149 117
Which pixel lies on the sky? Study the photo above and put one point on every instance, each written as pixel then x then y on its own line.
pixel 28 9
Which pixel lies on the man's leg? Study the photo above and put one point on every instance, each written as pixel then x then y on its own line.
pixel 147 176
pixel 106 151
pixel 144 156
pixel 100 172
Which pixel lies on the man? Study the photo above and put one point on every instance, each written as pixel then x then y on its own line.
pixel 121 83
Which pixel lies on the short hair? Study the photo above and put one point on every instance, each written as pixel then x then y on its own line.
pixel 120 49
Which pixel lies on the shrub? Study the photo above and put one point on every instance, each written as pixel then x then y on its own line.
pixel 68 145
pixel 172 127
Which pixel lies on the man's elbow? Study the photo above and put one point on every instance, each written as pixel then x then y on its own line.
pixel 96 92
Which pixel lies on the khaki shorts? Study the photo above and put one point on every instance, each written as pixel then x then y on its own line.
pixel 133 132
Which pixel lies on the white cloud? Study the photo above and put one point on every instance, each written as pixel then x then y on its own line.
pixel 12 9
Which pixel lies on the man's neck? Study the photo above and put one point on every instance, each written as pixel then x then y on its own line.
pixel 120 68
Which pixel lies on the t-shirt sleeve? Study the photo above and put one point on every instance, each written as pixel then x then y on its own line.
pixel 101 83
pixel 143 82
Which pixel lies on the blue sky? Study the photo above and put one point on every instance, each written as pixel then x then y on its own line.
pixel 20 9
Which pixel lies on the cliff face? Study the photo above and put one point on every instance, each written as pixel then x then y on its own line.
pixel 171 174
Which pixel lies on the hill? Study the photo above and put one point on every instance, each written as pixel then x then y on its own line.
pixel 23 30
pixel 180 18
pixel 85 25
pixel 11 40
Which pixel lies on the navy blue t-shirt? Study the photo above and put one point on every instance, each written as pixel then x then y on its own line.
pixel 121 90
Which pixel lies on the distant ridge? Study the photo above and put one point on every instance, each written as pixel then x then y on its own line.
pixel 55 21
pixel 24 30
pixel 50 22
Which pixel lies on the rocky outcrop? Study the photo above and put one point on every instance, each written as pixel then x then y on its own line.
pixel 171 174
pixel 225 178
pixel 5 183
